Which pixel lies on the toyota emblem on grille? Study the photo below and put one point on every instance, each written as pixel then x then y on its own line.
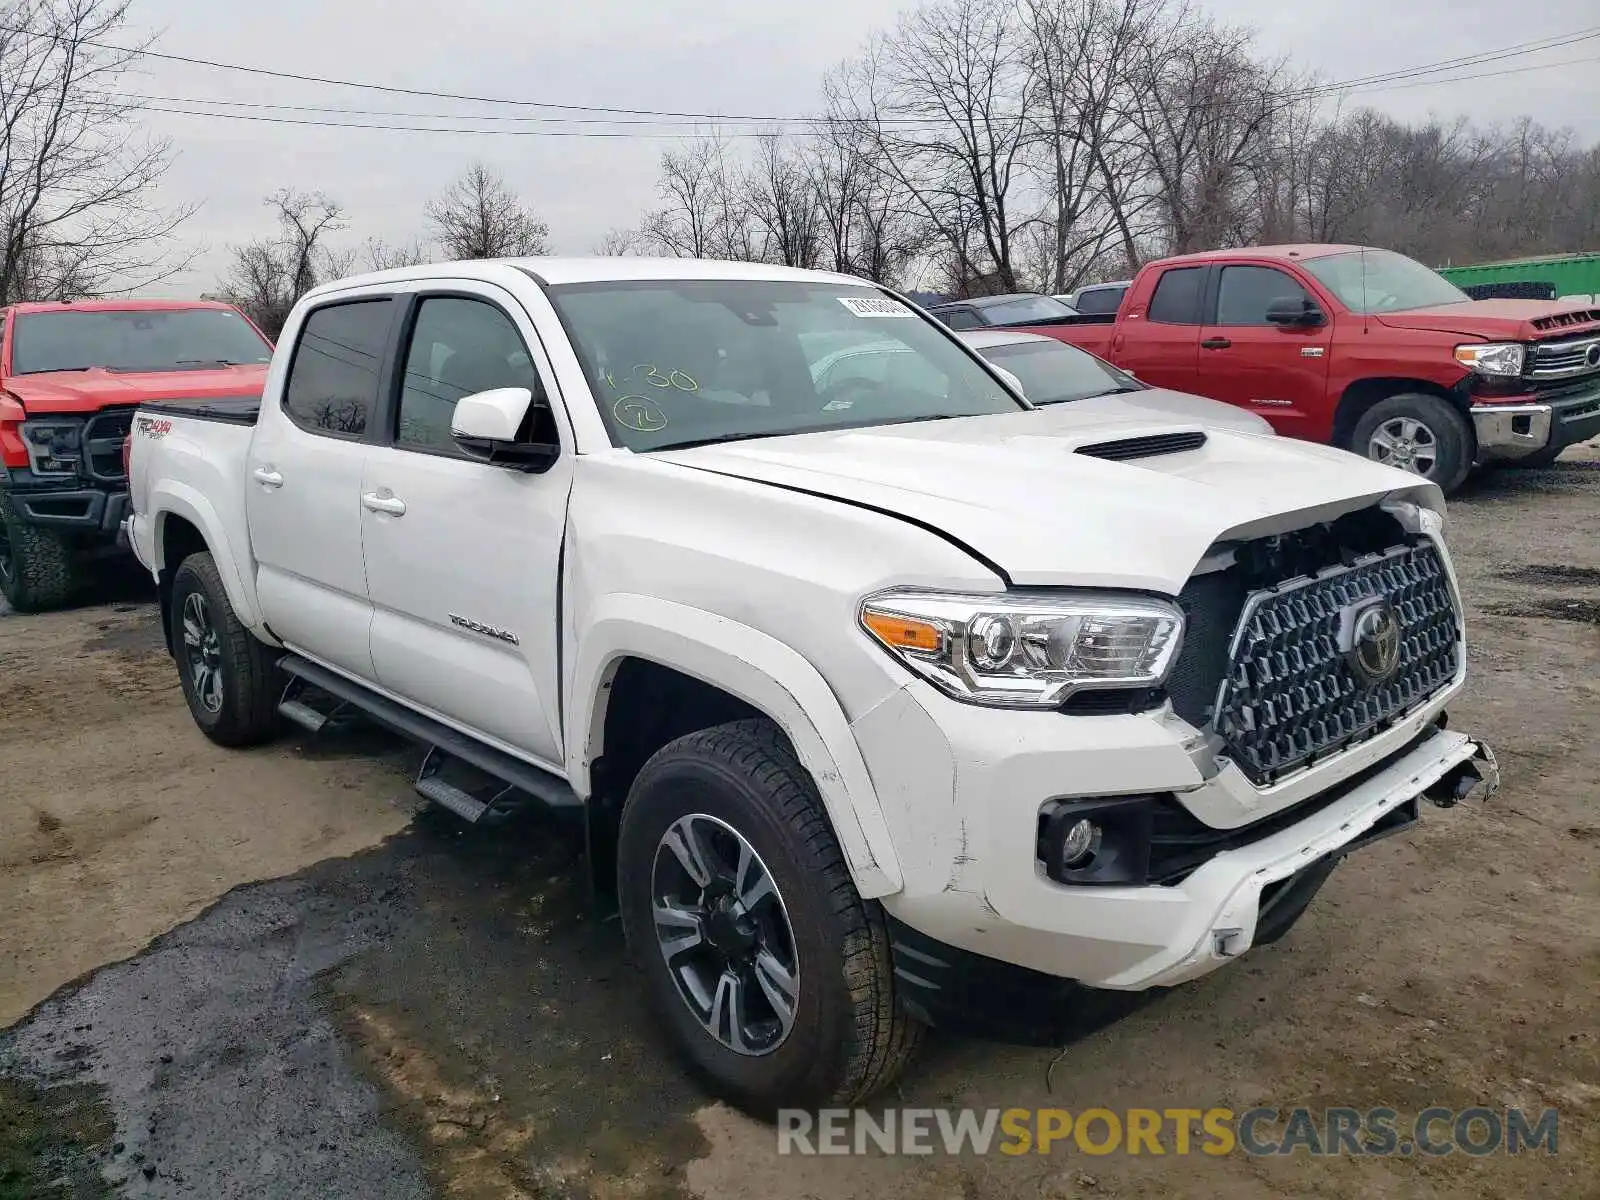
pixel 1592 358
pixel 1369 636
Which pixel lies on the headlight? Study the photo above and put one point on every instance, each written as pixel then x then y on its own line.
pixel 1026 651
pixel 1492 358
pixel 54 447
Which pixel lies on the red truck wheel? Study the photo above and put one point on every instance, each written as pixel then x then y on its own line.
pixel 36 564
pixel 1418 433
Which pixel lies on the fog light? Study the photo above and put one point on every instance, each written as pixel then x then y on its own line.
pixel 1079 844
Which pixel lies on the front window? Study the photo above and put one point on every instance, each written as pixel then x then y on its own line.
pixel 1054 373
pixel 681 362
pixel 1027 310
pixel 134 340
pixel 1380 281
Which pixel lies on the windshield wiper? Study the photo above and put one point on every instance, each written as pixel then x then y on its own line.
pixel 205 362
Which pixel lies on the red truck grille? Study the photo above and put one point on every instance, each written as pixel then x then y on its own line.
pixel 103 435
pixel 1564 359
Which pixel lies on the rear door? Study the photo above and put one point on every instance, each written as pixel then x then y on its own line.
pixel 303 482
pixel 1159 340
pixel 463 559
pixel 1278 371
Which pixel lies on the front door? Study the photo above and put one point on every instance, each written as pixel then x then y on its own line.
pixel 1278 371
pixel 463 558
pixel 303 484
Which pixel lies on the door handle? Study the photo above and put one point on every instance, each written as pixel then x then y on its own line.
pixel 267 477
pixel 381 503
pixel 1215 343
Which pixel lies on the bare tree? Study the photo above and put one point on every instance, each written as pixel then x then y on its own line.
pixel 690 222
pixel 781 199
pixel 269 275
pixel 77 213
pixel 619 242
pixel 478 216
pixel 940 101
pixel 379 255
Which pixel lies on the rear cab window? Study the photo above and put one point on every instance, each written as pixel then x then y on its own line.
pixel 1177 296
pixel 338 360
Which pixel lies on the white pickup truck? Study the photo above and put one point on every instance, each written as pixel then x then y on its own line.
pixel 888 698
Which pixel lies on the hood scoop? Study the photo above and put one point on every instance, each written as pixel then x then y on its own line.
pixel 1148 446
pixel 1565 320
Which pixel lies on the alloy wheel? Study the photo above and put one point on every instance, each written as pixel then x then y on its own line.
pixel 725 934
pixel 202 652
pixel 1405 442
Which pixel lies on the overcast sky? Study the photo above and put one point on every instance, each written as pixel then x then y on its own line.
pixel 683 55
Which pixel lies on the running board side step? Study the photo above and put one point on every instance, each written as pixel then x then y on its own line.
pixel 439 779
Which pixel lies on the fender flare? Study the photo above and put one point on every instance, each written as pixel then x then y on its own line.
pixel 763 672
pixel 178 499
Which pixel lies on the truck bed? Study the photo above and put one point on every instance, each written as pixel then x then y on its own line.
pixel 234 410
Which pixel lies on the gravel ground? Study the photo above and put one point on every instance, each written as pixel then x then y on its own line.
pixel 266 974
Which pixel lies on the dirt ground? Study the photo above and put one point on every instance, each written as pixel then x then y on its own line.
pixel 265 974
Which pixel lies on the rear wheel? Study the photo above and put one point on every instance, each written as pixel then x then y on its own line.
pixel 1418 433
pixel 37 566
pixel 228 677
pixel 770 972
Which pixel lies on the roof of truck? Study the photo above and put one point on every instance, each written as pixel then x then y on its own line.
pixel 124 305
pixel 556 271
pixel 1299 250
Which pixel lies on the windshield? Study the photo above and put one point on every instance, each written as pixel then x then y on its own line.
pixel 677 362
pixel 1053 372
pixel 1379 281
pixel 1026 310
pixel 146 339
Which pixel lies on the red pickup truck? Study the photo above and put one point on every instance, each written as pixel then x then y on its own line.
pixel 71 375
pixel 1366 349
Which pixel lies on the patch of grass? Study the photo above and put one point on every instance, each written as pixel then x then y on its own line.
pixel 49 1139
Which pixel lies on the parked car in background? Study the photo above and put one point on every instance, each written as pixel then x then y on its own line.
pixel 1025 310
pixel 1365 349
pixel 1051 373
pixel 71 375
pixel 886 700
pixel 1098 299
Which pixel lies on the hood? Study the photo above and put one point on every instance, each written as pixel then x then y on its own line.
pixel 89 391
pixel 1159 404
pixel 1012 489
pixel 1499 320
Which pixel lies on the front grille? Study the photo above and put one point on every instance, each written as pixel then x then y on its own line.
pixel 103 435
pixel 1261 665
pixel 1563 360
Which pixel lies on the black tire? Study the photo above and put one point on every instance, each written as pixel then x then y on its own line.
pixel 38 570
pixel 1450 442
pixel 240 706
pixel 849 1036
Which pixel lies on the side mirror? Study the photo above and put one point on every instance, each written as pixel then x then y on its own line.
pixel 1295 311
pixel 489 425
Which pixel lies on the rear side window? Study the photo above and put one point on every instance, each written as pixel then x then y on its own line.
pixel 1177 298
pixel 1099 301
pixel 333 380
pixel 961 318
pixel 1245 293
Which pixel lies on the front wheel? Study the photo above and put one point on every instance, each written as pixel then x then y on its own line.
pixel 1418 433
pixel 770 972
pixel 37 565
pixel 228 678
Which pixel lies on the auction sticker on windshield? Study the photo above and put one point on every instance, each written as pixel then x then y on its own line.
pixel 874 306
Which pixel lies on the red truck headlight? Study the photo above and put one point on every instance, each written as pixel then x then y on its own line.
pixel 1500 359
